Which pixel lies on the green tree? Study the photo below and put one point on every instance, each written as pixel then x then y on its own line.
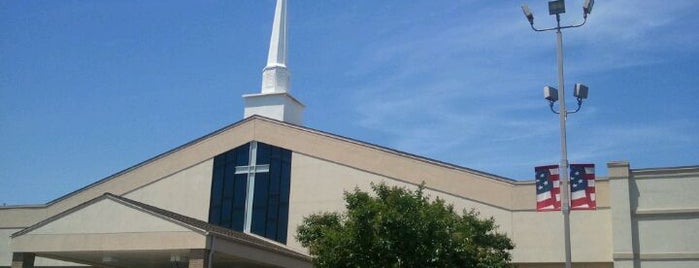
pixel 400 228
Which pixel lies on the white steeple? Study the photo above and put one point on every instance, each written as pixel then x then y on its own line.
pixel 275 76
pixel 274 100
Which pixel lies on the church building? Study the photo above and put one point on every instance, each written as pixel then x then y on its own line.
pixel 235 197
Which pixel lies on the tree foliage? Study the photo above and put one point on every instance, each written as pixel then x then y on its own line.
pixel 401 228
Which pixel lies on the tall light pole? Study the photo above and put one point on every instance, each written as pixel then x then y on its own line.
pixel 551 94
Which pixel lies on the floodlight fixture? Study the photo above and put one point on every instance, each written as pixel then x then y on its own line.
pixel 587 7
pixel 528 13
pixel 551 94
pixel 580 94
pixel 557 7
pixel 580 91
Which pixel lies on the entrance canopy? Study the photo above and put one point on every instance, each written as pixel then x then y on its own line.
pixel 114 231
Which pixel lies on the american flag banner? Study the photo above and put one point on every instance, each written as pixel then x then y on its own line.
pixel 548 188
pixel 582 186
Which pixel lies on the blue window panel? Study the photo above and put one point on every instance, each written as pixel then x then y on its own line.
pixel 271 192
pixel 259 204
pixel 215 214
pixel 220 160
pixel 284 189
pixel 263 152
pixel 240 189
pixel 271 229
pixel 277 153
pixel 226 210
pixel 282 224
pixel 217 185
pixel 285 182
pixel 242 155
pixel 228 187
pixel 274 222
pixel 241 185
pixel 275 175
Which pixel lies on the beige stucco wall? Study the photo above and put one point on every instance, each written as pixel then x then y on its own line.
pixel 539 236
pixel 659 264
pixel 107 216
pixel 186 192
pixel 107 225
pixel 668 234
pixel 655 216
pixel 5 252
pixel 318 185
pixel 666 192
pixel 666 216
pixel 559 265
pixel 14 217
pixel 386 162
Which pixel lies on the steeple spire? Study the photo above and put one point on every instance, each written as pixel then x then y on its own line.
pixel 275 76
pixel 277 42
pixel 274 100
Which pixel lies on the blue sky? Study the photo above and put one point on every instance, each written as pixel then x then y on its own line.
pixel 89 88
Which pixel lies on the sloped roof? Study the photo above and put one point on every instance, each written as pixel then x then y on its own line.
pixel 213 229
pixel 185 221
pixel 304 129
pixel 448 178
pixel 150 160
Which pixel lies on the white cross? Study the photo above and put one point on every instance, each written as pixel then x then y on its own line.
pixel 251 170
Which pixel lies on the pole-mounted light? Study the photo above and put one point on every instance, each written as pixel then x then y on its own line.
pixel 587 7
pixel 551 94
pixel 557 7
pixel 528 13
pixel 580 93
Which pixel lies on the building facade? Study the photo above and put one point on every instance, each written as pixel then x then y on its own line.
pixel 235 197
pixel 171 208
